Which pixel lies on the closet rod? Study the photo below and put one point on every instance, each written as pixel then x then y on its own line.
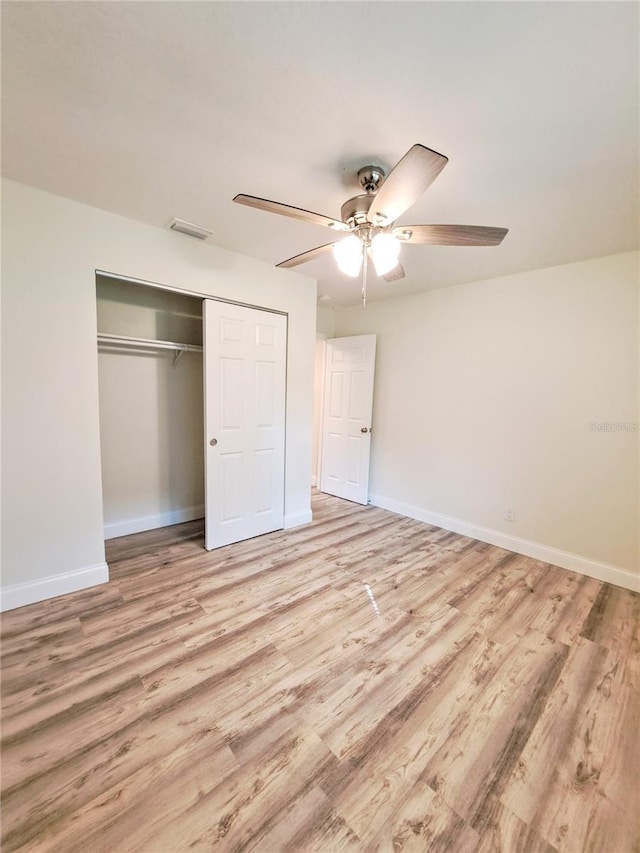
pixel 144 343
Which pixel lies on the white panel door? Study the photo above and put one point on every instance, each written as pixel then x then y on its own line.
pixel 346 429
pixel 244 393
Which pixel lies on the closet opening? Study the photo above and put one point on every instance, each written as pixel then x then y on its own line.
pixel 150 365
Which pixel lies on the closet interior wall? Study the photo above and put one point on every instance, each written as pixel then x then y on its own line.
pixel 151 408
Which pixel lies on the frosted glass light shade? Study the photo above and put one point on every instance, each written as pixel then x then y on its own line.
pixel 348 255
pixel 385 249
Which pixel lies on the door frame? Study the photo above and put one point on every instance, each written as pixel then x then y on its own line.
pixel 318 383
pixel 185 292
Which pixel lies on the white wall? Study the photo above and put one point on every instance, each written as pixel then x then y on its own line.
pixel 152 440
pixel 151 410
pixel 52 506
pixel 326 322
pixel 484 399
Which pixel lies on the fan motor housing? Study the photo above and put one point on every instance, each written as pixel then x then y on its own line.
pixel 355 210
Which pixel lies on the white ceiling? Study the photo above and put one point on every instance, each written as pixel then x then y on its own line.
pixel 161 109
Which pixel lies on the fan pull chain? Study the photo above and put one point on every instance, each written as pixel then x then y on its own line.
pixel 365 258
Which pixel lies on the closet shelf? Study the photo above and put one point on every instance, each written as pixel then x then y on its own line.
pixel 124 342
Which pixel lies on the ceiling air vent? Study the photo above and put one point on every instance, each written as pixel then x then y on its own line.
pixel 189 228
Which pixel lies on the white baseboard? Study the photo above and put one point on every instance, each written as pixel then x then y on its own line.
pixel 314 480
pixel 545 553
pixel 295 519
pixel 29 593
pixel 152 522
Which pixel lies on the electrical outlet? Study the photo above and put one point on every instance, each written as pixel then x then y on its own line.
pixel 510 514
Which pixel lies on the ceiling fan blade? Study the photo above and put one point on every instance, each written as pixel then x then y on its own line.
pixel 406 182
pixel 450 235
pixel 293 212
pixel 396 273
pixel 311 255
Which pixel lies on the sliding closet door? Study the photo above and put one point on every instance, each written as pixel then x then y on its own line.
pixel 244 386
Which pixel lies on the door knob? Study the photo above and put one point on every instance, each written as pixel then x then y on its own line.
pixel 364 429
pixel 213 442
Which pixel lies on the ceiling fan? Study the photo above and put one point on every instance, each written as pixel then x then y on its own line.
pixel 370 219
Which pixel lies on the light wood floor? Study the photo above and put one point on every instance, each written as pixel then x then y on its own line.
pixel 366 682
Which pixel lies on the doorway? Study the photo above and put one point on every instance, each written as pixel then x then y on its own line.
pixel 150 375
pixel 153 382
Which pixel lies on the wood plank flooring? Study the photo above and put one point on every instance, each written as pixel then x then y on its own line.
pixel 363 683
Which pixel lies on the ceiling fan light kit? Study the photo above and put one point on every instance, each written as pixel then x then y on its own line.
pixel 385 251
pixel 370 218
pixel 348 255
